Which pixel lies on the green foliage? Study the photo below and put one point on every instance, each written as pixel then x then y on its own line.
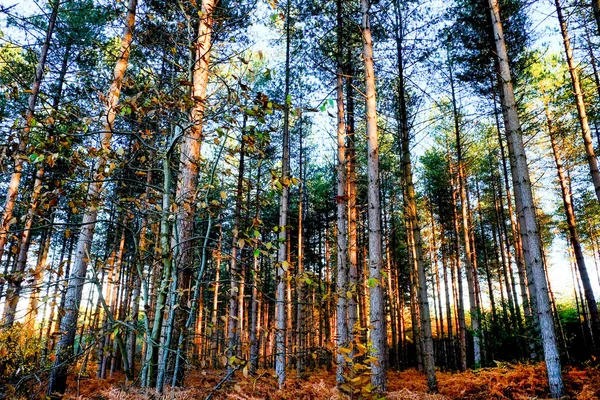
pixel 20 359
pixel 357 371
pixel 470 40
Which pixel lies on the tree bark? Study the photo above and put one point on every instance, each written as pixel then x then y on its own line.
pixel 469 251
pixel 376 295
pixel 579 101
pixel 189 166
pixel 342 207
pixel 282 263
pixel 234 267
pixel 68 326
pixel 574 235
pixel 15 180
pixel 524 201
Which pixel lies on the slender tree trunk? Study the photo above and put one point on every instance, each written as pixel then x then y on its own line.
pixel 420 282
pixel 341 200
pixel 255 306
pixel 579 101
pixel 524 201
pixel 235 268
pixel 282 263
pixel 300 281
pixel 469 251
pixel 514 226
pixel 68 326
pixel 15 180
pixel 215 304
pixel 574 236
pixel 376 295
pixel 352 301
pixel 189 167
pixel 462 328
pixel 151 362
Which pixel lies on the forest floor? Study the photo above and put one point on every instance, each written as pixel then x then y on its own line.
pixel 504 382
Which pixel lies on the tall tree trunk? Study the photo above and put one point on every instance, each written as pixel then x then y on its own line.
pixel 416 246
pixel 579 101
pixel 282 263
pixel 574 236
pixel 469 252
pixel 215 304
pixel 524 201
pixel 516 238
pixel 342 207
pixel 151 362
pixel 376 295
pixel 15 180
pixel 68 326
pixel 255 336
pixel 234 267
pixel 352 301
pixel 462 325
pixel 189 166
pixel 300 280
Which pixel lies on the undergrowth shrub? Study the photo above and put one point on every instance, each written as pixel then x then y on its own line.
pixel 20 360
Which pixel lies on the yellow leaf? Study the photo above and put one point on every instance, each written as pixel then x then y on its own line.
pixel 223 195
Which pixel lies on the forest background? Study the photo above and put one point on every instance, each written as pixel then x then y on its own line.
pixel 207 151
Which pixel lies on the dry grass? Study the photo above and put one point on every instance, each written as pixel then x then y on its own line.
pixel 504 382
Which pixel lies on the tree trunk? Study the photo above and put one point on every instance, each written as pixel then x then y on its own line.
pixel 579 101
pixel 375 282
pixel 151 362
pixel 255 306
pixel 189 167
pixel 524 201
pixel 341 200
pixel 574 236
pixel 300 280
pixel 234 267
pixel 462 325
pixel 352 301
pixel 469 252
pixel 282 263
pixel 15 180
pixel 68 326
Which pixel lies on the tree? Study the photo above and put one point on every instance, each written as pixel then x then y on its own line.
pixel 342 206
pixel 376 300
pixel 282 262
pixel 68 325
pixel 524 201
